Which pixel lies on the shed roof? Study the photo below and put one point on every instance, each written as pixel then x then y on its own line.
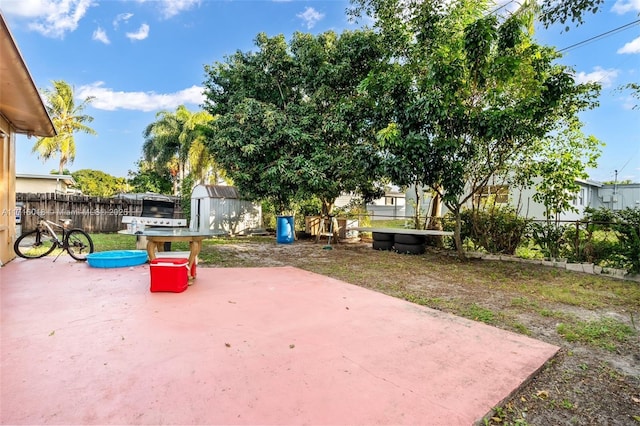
pixel 215 191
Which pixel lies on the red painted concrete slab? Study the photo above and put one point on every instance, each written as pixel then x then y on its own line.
pixel 81 345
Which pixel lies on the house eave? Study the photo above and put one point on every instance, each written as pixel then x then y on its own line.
pixel 67 179
pixel 20 101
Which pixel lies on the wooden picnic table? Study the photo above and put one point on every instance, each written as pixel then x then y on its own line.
pixel 430 232
pixel 401 240
pixel 156 237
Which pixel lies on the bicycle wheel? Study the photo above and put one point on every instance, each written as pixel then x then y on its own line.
pixel 34 244
pixel 79 244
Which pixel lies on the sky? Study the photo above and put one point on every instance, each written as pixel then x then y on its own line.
pixel 138 57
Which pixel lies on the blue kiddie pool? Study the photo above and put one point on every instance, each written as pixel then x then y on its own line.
pixel 117 258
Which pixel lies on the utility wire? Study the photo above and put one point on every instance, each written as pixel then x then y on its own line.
pixel 583 42
pixel 625 164
pixel 497 9
pixel 607 33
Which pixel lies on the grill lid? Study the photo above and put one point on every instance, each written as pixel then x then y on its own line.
pixel 157 208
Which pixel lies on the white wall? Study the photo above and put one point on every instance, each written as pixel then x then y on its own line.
pixel 41 185
pixel 232 216
pixel 619 197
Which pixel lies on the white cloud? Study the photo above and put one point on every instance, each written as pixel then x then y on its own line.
pixel 629 103
pixel 110 100
pixel 623 6
pixel 631 47
pixel 28 8
pixel 122 17
pixel 52 18
pixel 310 16
pixel 141 34
pixel 100 35
pixel 171 8
pixel 599 75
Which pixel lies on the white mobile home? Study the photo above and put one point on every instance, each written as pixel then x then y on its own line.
pixel 618 196
pixel 591 194
pixel 389 206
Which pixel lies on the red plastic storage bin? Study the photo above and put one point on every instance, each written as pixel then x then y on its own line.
pixel 169 274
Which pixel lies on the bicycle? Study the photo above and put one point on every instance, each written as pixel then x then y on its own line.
pixel 43 240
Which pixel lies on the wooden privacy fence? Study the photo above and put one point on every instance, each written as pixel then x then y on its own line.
pixel 93 214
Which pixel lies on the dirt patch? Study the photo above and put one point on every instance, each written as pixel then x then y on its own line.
pixel 585 384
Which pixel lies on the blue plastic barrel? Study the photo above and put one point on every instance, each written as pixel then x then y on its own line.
pixel 284 229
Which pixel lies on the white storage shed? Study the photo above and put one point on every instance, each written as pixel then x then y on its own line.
pixel 220 208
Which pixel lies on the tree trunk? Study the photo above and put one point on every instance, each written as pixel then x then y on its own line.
pixel 416 216
pixel 456 236
pixel 327 209
pixel 435 220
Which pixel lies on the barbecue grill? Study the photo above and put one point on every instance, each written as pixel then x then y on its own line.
pixel 156 212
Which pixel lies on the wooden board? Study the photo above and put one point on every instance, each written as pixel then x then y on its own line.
pixel 404 231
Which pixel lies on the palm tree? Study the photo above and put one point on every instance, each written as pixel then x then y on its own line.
pixel 174 143
pixel 68 119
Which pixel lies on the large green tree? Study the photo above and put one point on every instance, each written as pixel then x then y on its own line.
pixel 68 119
pixel 174 143
pixel 554 164
pixel 293 123
pixel 147 179
pixel 467 92
pixel 554 11
pixel 98 183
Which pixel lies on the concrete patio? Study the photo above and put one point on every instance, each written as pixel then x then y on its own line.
pixel 89 346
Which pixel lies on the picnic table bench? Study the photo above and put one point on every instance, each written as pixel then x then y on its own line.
pixel 409 241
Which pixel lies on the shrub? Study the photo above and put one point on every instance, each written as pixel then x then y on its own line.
pixel 611 238
pixel 627 227
pixel 551 237
pixel 497 230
